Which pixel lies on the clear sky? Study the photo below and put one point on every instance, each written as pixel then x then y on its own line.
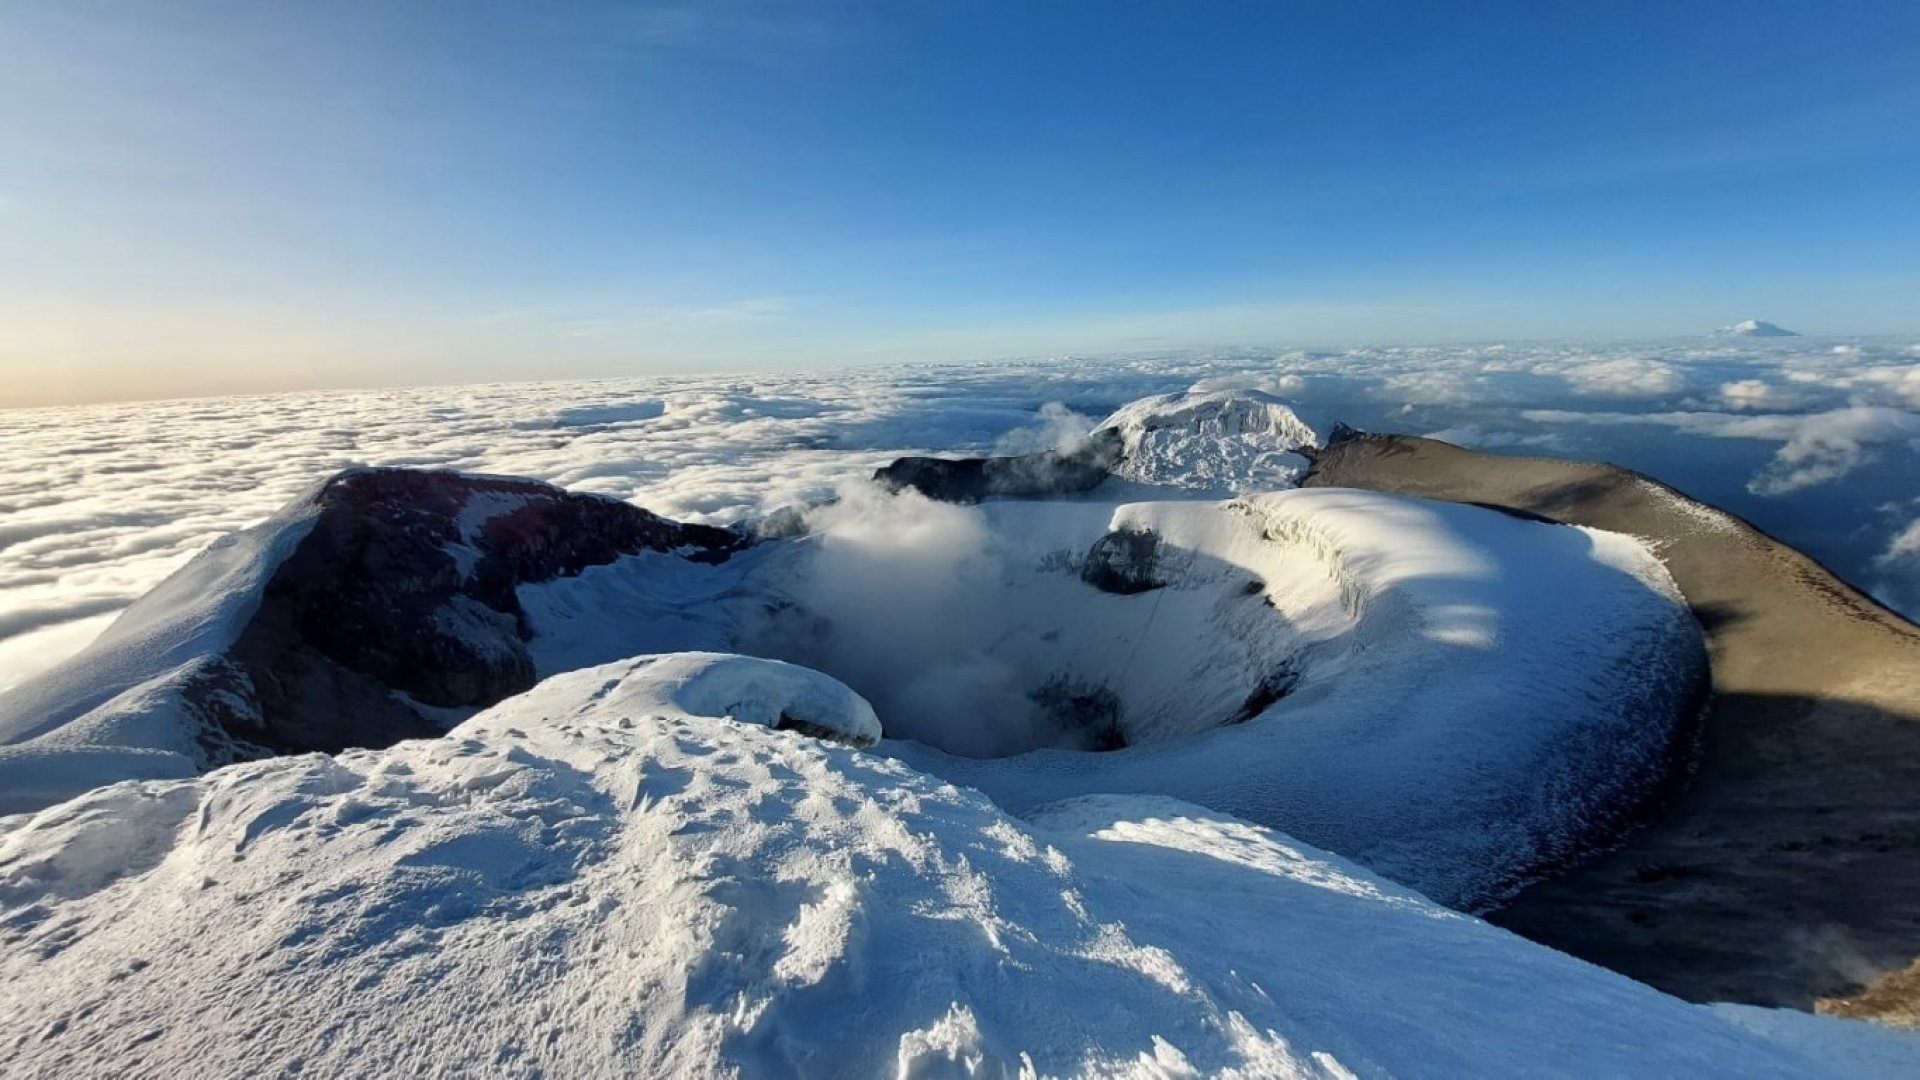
pixel 203 197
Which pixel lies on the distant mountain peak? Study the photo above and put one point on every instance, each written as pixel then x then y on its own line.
pixel 1756 328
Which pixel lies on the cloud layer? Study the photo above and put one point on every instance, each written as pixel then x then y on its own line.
pixel 1811 440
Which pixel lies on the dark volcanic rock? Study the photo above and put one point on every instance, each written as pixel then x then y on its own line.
pixel 406 583
pixel 1278 684
pixel 1086 716
pixel 1123 562
pixel 1024 476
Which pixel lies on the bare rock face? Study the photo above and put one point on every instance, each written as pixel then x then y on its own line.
pixel 401 599
pixel 1023 476
pixel 1123 562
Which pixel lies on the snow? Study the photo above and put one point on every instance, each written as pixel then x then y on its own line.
pixel 192 613
pixel 112 712
pixel 645 603
pixel 669 862
pixel 604 877
pixel 1226 440
pixel 482 507
pixel 1846 1046
pixel 747 689
pixel 1756 328
pixel 1472 694
pixel 1455 697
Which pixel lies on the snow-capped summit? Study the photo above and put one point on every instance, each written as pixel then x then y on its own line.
pixel 1225 442
pixel 1235 439
pixel 1756 328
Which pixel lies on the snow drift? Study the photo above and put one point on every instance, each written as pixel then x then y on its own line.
pixel 602 877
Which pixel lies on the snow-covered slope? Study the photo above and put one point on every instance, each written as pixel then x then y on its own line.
pixel 1755 328
pixel 1225 440
pixel 381 604
pixel 113 712
pixel 1455 697
pixel 602 878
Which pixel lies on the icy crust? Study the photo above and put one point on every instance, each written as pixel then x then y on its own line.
pixel 588 881
pixel 1472 697
pixel 1226 440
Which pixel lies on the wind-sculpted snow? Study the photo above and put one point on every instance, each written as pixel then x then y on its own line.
pixel 600 878
pixel 99 504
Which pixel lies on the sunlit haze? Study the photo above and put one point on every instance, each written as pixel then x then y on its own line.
pixel 203 198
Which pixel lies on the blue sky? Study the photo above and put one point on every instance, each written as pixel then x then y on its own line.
pixel 208 197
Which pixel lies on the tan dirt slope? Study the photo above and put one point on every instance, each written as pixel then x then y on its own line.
pixel 1787 871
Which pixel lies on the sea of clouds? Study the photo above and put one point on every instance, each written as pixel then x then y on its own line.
pixel 1818 442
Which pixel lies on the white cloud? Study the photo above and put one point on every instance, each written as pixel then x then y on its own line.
pixel 99 503
pixel 1435 388
pixel 1283 384
pixel 1478 438
pixel 1819 448
pixel 1905 544
pixel 1889 384
pixel 1898 565
pixel 1057 426
pixel 1827 446
pixel 1754 395
pixel 1626 377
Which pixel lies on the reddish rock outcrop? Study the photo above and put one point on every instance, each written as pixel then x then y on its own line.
pixel 401 600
